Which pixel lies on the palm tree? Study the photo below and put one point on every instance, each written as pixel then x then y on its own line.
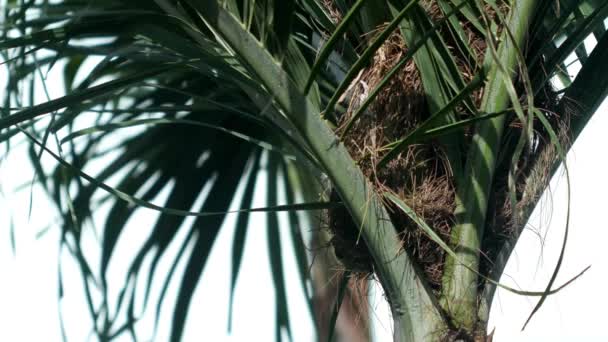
pixel 421 132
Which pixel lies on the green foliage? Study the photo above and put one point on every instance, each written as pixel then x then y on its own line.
pixel 212 88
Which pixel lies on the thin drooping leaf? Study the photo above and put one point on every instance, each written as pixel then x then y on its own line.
pixel 120 212
pixel 276 255
pixel 240 233
pixel 206 231
pixel 172 211
pixel 419 222
pixel 144 122
pixel 562 155
pixel 169 277
pixel 77 97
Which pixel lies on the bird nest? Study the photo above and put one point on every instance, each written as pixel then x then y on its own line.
pixel 421 175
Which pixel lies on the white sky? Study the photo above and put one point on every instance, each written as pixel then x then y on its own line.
pixel 576 313
pixel 28 290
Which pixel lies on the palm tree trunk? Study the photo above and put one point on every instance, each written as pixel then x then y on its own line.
pixel 460 277
pixel 353 319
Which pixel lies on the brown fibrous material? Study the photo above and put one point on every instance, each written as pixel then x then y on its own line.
pixel 421 175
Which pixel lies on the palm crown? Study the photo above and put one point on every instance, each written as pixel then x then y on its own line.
pixel 424 130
